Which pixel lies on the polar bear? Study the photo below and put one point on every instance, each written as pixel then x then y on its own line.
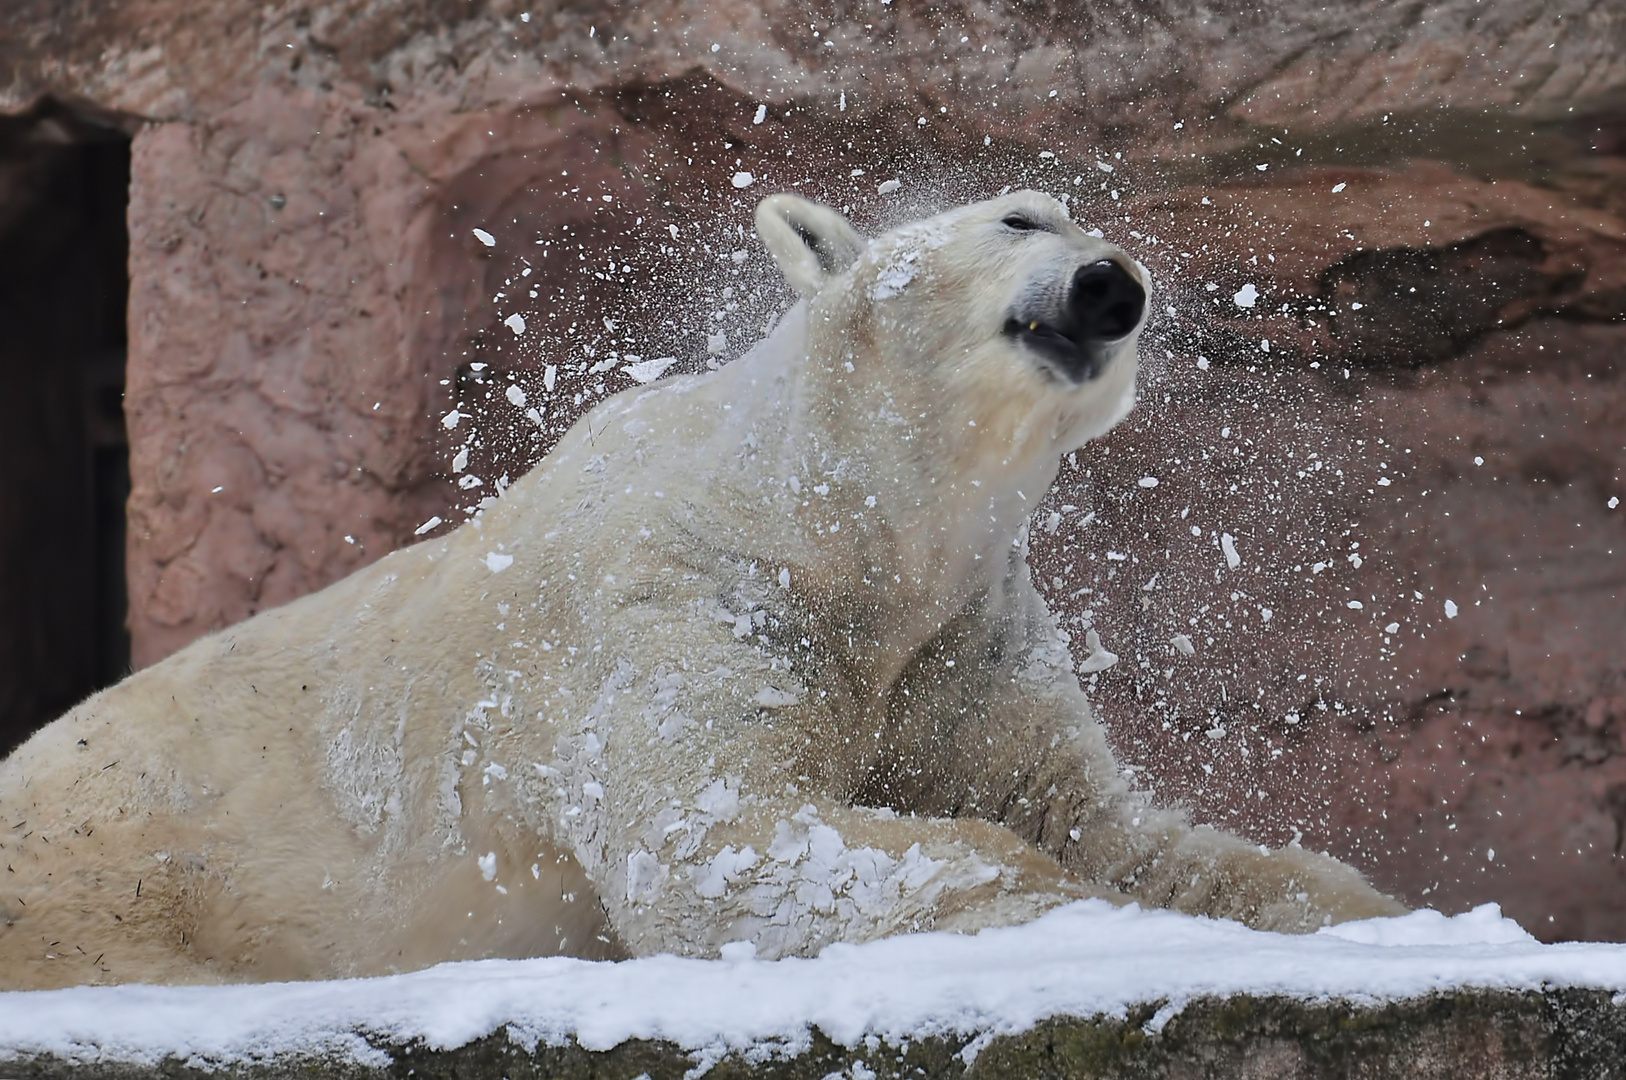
pixel 751 656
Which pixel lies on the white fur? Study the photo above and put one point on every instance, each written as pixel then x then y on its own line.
pixel 766 664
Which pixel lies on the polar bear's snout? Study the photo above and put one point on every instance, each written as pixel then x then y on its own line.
pixel 1072 330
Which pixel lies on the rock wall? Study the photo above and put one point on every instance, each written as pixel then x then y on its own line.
pixel 309 301
pixel 1466 1035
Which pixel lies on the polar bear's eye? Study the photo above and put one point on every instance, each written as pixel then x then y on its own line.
pixel 1021 223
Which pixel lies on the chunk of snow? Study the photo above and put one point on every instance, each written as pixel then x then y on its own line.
pixel 1147 482
pixel 1392 628
pixel 1228 545
pixel 1355 605
pixel 485 238
pixel 426 526
pixel 1336 188
pixel 647 371
pixel 516 323
pixel 784 577
pixel 450 420
pixel 887 187
pixel 488 865
pixel 762 114
pixel 717 344
pixel 497 562
pixel 1183 644
pixel 550 374
pixel 1484 925
pixel 1614 501
pixel 771 697
pixel 738 952
pixel 515 395
pixel 1246 296
pixel 1096 658
pixel 1450 609
pixel 743 180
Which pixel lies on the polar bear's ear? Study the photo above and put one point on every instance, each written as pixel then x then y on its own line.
pixel 811 243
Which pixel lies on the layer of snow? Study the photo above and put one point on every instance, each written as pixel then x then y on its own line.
pixel 1083 960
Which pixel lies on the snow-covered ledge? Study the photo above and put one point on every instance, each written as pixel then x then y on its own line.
pixel 1087 991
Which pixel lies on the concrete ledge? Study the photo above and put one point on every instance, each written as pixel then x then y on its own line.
pixel 1464 1035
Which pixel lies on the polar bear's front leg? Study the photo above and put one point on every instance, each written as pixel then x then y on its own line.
pixel 702 791
pixel 1032 757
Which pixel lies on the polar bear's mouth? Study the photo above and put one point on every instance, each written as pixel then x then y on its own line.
pixel 1103 306
pixel 1077 361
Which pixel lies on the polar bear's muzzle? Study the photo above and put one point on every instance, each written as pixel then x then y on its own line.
pixel 1101 306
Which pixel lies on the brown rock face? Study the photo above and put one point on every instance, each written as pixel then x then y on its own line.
pixel 1390 244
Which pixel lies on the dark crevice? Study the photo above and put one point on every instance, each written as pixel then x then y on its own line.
pixel 64 461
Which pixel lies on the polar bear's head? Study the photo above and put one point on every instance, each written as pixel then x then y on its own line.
pixel 1026 324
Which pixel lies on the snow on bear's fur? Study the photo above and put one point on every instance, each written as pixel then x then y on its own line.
pixel 751 656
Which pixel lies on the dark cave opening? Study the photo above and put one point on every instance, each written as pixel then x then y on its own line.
pixel 64 456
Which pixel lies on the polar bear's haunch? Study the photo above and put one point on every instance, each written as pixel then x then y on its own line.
pixel 750 656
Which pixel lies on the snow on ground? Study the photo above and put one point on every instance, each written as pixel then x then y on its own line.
pixel 1083 960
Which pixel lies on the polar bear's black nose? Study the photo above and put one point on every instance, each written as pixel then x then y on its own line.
pixel 1105 303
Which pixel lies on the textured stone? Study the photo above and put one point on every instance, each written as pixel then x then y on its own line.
pixel 1466 1035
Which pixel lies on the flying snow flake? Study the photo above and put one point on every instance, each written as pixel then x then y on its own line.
pixel 485 238
pixel 515 395
pixel 1336 188
pixel 1478 460
pixel 450 420
pixel 647 371
pixel 549 375
pixel 1355 605
pixel 1392 628
pixel 497 562
pixel 1246 296
pixel 673 229
pixel 739 257
pixel 461 460
pixel 426 526
pixel 1147 482
pixel 1183 644
pixel 1228 545
pixel 771 697
pixel 516 323
pixel 1097 658
pixel 488 865
pixel 743 180
pixel 1450 609
pixel 1265 614
pixel 762 114
pixel 1614 501
pixel 887 187
pixel 784 577
pixel 1261 168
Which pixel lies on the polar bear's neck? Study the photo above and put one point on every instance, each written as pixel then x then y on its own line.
pixel 869 496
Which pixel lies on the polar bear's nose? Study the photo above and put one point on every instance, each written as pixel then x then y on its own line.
pixel 1105 303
